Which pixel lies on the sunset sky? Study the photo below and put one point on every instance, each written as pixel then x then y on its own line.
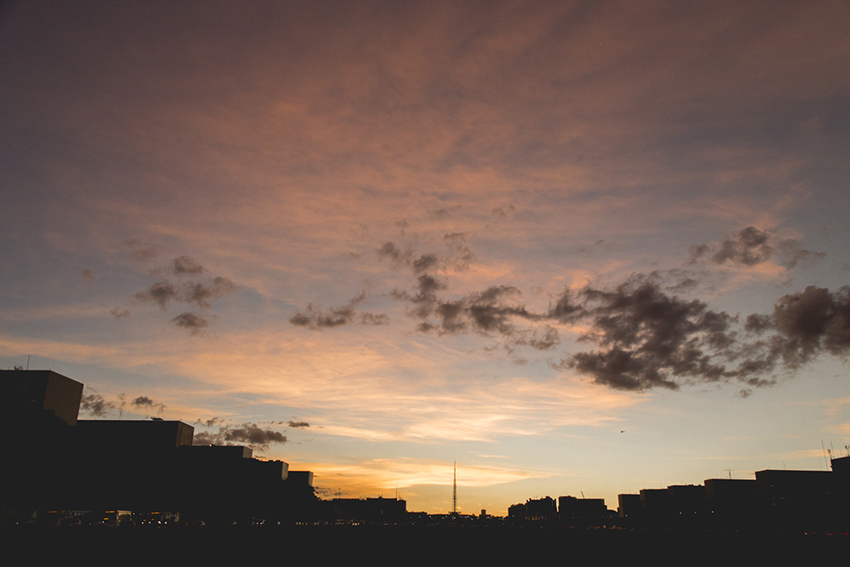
pixel 577 247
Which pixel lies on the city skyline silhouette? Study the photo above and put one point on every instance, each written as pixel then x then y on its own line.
pixel 68 471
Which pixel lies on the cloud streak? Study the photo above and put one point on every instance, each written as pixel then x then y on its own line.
pixel 317 318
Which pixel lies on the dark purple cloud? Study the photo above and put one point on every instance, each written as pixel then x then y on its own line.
pixel 750 247
pixel 317 318
pixel 462 255
pixel 488 312
pixel 141 251
pixel 95 405
pixel 813 321
pixel 191 322
pixel 641 333
pixel 201 294
pixel 186 265
pixel 146 403
pixel 164 292
pixel 161 293
pixel 425 262
pixel 250 434
pixel 188 291
pixel 645 337
pixel 119 313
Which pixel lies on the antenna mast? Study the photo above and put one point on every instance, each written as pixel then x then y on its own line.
pixel 454 491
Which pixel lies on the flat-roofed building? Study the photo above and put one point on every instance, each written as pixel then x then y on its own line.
pixel 581 508
pixel 304 478
pixel 36 394
pixel 629 506
pixel 799 497
pixel 541 509
pixel 655 501
pixel 731 495
pixel 38 415
pixel 134 436
pixel 687 499
pixel 378 510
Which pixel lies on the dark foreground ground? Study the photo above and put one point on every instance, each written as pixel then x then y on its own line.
pixel 396 544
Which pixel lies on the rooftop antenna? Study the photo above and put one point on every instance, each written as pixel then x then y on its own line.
pixel 28 361
pixel 730 472
pixel 454 491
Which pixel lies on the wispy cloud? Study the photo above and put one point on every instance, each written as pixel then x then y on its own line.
pixel 316 318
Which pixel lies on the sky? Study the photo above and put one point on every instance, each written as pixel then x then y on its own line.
pixel 580 248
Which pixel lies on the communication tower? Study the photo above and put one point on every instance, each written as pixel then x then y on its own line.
pixel 454 491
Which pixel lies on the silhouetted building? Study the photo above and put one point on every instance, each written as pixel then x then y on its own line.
pixel 841 465
pixel 792 498
pixel 517 512
pixel 686 499
pixel 570 507
pixel 148 467
pixel 732 500
pixel 38 414
pixel 214 455
pixel 304 478
pixel 540 509
pixel 371 510
pixel 779 489
pixel 131 436
pixel 38 394
pixel 129 465
pixel 629 506
pixel 269 471
pixel 655 499
pixel 655 503
pixel 841 470
pixel 244 488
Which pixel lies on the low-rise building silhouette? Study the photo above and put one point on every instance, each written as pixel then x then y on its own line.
pixel 629 506
pixel 732 501
pixel 149 467
pixel 572 508
pixel 370 510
